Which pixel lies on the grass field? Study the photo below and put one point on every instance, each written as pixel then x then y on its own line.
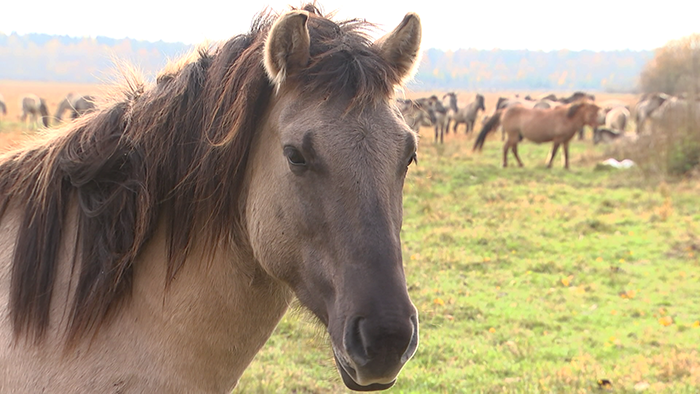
pixel 527 280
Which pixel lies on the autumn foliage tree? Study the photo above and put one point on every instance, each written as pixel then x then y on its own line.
pixel 675 68
pixel 673 148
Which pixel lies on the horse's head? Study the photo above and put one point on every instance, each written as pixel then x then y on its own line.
pixel 586 112
pixel 480 102
pixel 449 100
pixel 324 205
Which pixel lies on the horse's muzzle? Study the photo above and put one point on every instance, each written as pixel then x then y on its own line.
pixel 374 353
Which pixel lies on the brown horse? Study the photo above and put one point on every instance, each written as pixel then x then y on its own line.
pixel 153 245
pixel 557 125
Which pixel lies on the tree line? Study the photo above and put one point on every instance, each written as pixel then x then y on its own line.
pixel 90 59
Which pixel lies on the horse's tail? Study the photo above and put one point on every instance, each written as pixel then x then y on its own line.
pixel 491 125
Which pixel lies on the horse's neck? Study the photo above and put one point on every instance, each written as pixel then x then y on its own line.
pixel 198 335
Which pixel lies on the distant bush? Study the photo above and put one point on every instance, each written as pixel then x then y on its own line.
pixel 673 147
pixel 674 69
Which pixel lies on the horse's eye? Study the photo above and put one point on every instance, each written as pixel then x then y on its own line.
pixel 294 157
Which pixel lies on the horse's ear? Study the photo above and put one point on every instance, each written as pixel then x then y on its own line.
pixel 401 47
pixel 287 46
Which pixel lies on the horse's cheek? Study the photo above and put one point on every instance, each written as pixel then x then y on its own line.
pixel 271 238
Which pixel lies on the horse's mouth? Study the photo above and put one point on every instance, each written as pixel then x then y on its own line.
pixel 349 374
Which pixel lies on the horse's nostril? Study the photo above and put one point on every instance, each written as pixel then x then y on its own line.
pixel 354 343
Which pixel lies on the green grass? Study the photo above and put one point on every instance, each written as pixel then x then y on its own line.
pixel 530 280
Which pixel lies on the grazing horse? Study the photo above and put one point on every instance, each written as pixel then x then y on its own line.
pixel 605 135
pixel 153 245
pixel 33 109
pixel 466 115
pixel 77 104
pixel 557 125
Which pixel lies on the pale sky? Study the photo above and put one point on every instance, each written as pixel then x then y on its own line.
pixel 481 24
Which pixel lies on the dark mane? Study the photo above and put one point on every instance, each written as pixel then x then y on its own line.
pixel 178 146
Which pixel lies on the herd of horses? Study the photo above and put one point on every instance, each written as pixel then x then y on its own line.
pixel 546 118
pixel 34 111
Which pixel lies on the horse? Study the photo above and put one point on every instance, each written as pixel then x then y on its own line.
pixel 154 244
pixel 646 107
pixel 616 119
pixel 576 96
pixel 605 135
pixel 557 125
pixel 3 106
pixel 505 102
pixel 438 114
pixel 676 112
pixel 415 113
pixel 77 104
pixel 546 104
pixel 466 115
pixel 33 109
pixel 607 105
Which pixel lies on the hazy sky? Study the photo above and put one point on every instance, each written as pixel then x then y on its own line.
pixel 481 24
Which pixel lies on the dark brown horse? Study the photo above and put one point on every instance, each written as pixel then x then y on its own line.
pixel 557 125
pixel 153 245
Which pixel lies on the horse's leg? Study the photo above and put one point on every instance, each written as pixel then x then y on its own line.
pixel 506 147
pixel 581 133
pixel 554 153
pixel 566 155
pixel 515 153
